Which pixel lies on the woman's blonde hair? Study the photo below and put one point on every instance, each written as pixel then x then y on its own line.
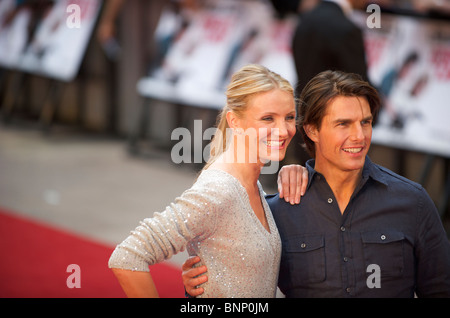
pixel 250 80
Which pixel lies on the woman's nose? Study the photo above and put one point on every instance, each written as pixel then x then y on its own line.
pixel 283 129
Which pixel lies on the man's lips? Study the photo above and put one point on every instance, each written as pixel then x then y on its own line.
pixel 353 149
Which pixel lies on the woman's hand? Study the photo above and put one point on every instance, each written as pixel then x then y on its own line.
pixel 292 182
pixel 191 278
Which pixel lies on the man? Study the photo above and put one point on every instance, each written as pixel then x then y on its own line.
pixel 284 7
pixel 356 216
pixel 326 39
pixel 360 229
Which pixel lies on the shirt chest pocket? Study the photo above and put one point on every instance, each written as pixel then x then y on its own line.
pixel 385 249
pixel 306 258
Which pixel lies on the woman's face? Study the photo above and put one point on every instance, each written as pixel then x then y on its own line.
pixel 267 126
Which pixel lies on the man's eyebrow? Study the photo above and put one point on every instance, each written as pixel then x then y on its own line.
pixel 348 120
pixel 342 120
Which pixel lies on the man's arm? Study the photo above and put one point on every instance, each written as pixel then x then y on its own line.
pixel 106 29
pixel 432 253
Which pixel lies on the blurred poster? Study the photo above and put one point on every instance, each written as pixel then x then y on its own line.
pixel 47 38
pixel 199 50
pixel 409 63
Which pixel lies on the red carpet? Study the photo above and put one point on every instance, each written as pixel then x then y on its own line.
pixel 35 257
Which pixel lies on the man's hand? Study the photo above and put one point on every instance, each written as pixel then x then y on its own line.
pixel 292 182
pixel 191 278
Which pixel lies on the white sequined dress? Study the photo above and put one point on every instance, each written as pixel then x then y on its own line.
pixel 214 220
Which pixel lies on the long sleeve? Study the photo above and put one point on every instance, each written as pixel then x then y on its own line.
pixel 158 238
pixel 433 253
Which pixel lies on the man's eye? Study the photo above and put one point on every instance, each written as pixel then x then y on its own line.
pixel 267 118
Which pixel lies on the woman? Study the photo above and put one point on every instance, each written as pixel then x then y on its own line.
pixel 223 218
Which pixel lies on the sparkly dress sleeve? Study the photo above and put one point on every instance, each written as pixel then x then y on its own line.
pixel 190 216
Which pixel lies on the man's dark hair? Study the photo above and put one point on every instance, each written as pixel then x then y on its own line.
pixel 322 89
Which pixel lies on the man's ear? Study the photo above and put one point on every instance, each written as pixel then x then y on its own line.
pixel 312 132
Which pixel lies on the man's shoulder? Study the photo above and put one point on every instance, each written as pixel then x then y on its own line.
pixel 276 202
pixel 393 179
pixel 272 198
pixel 332 13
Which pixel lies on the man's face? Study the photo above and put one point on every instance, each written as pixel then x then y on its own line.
pixel 344 137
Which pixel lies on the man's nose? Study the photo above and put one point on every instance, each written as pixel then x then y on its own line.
pixel 357 133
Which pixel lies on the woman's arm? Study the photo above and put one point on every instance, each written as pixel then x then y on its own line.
pixel 136 284
pixel 191 216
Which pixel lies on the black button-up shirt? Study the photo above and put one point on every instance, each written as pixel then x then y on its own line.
pixel 389 242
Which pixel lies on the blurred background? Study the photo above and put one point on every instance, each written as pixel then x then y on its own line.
pixel 92 90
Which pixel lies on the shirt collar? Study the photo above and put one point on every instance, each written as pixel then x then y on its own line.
pixel 373 171
pixel 344 5
pixel 311 172
pixel 370 170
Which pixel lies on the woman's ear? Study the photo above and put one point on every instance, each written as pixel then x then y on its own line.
pixel 311 131
pixel 232 119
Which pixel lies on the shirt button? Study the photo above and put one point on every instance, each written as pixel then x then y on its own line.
pixel 383 237
pixel 347 289
pixel 342 228
pixel 345 259
pixel 303 245
pixel 330 200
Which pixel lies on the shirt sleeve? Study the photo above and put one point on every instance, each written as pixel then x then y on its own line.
pixel 192 215
pixel 432 252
